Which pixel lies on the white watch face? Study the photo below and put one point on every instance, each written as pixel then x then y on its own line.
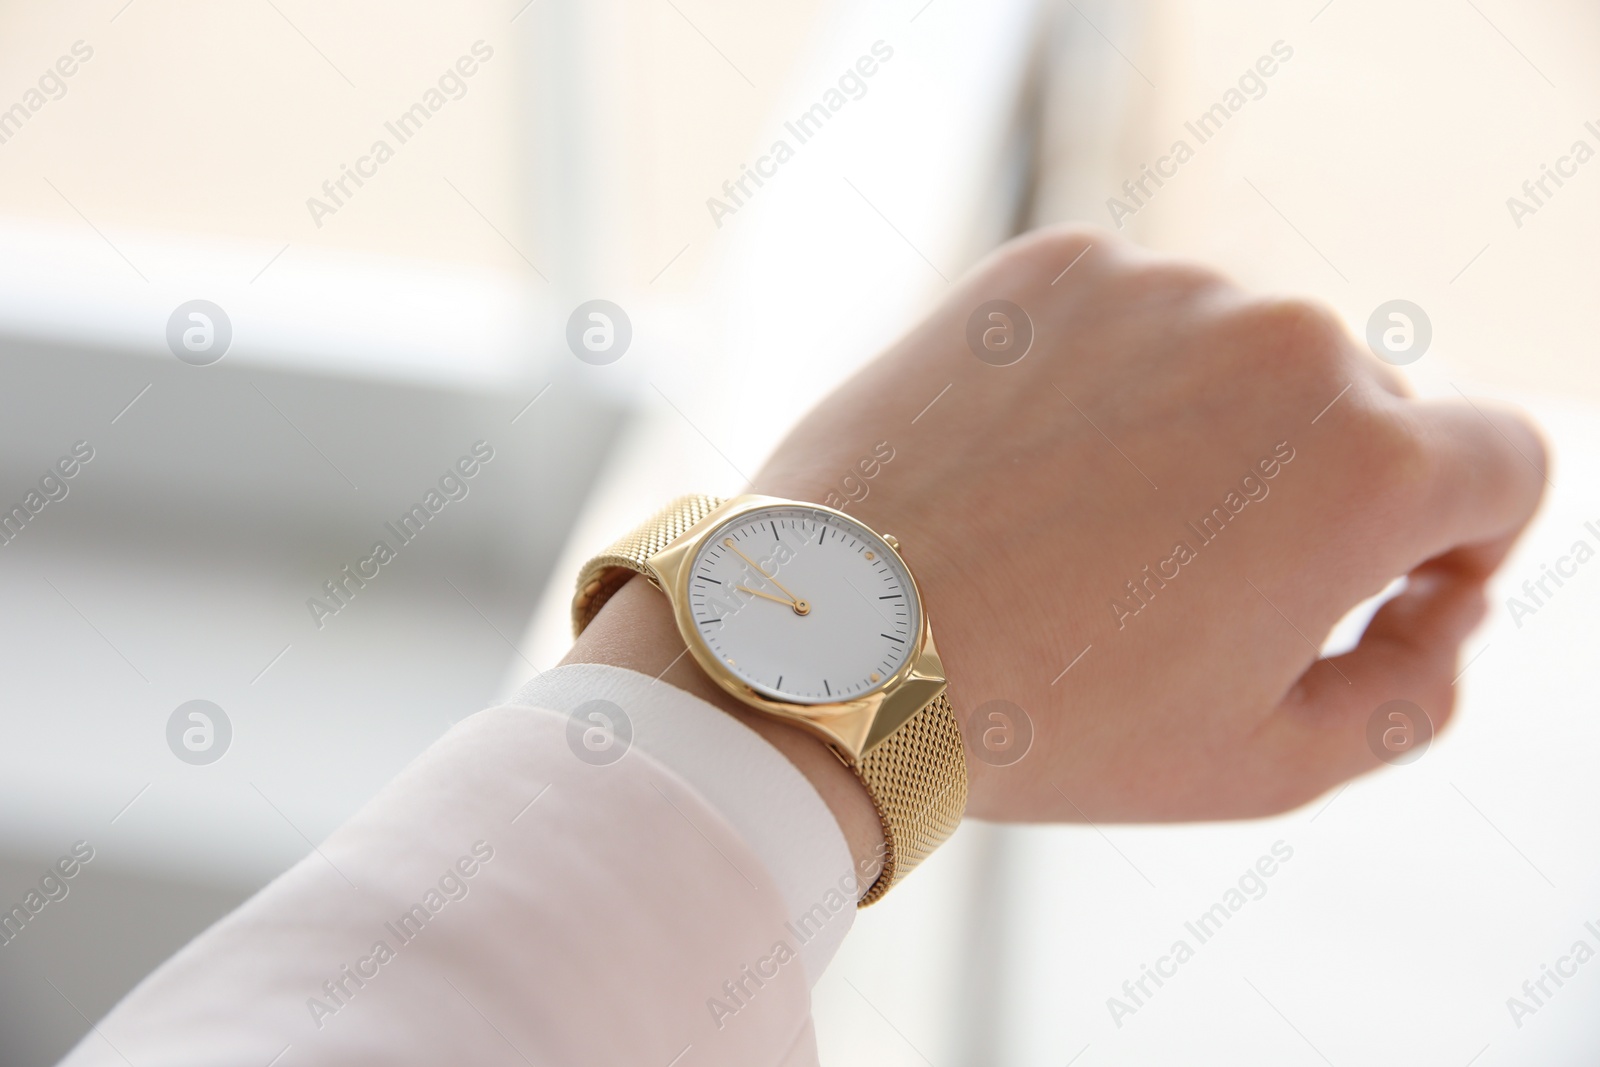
pixel 803 605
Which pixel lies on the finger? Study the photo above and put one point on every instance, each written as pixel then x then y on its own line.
pixel 1486 470
pixel 1319 733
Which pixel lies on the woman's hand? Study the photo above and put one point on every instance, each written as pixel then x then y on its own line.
pixel 1176 493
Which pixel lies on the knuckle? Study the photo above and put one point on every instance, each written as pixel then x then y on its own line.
pixel 1046 251
pixel 1104 261
pixel 1300 332
pixel 1165 278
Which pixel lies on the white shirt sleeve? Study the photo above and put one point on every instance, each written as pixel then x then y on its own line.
pixel 751 784
pixel 517 895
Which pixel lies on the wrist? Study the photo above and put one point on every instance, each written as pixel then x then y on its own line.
pixel 636 630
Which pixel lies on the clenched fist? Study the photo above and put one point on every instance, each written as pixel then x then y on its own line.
pixel 1176 492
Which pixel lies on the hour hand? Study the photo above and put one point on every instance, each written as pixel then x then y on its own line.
pixel 800 606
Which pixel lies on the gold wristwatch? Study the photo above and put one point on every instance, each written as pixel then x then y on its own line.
pixel 808 616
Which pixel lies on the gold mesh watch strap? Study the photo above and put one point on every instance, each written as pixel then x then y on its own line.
pixel 607 572
pixel 917 776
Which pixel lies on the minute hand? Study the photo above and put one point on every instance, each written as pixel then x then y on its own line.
pixel 765 596
pixel 794 600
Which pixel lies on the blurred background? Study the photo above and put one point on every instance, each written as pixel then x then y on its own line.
pixel 376 334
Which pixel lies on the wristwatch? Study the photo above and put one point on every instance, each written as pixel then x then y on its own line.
pixel 810 617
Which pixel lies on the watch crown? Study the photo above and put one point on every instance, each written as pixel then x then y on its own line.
pixel 892 541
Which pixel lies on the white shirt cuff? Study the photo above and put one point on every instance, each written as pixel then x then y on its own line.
pixel 774 807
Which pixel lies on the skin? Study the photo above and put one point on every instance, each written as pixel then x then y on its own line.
pixel 1028 495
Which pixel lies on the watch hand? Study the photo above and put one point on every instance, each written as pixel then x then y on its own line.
pixel 800 607
pixel 785 601
pixel 794 601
